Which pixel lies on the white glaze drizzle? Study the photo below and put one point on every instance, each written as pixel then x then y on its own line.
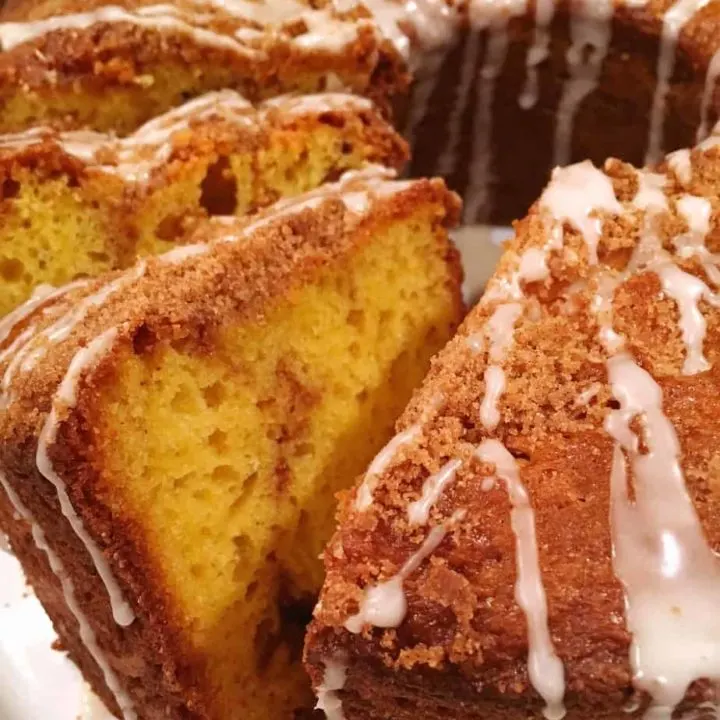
pixel 537 52
pixel 493 17
pixel 544 666
pixel 687 291
pixel 591 30
pixel 334 679
pixel 134 158
pixel 670 574
pixel 382 461
pixel 28 356
pixel 324 29
pixel 384 605
pixel 40 295
pixel 424 83
pixel 87 635
pixel 650 194
pixel 433 488
pixel 448 160
pixel 679 14
pixel 65 399
pixel 13 34
pixel 574 194
pixel 355 188
pixel 500 332
pixel 711 78
pixel 680 161
pixel 697 212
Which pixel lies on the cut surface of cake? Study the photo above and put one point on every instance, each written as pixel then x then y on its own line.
pixel 77 204
pixel 542 534
pixel 112 66
pixel 172 436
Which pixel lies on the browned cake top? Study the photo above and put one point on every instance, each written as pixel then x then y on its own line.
pixel 481 541
pixel 267 44
pixel 223 118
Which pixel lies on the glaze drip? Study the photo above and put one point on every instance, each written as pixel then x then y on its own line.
pixel 670 574
pixel 544 666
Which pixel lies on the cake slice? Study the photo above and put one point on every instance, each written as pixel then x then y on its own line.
pixel 75 204
pixel 173 436
pixel 114 65
pixel 542 535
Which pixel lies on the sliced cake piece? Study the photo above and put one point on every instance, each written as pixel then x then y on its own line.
pixel 78 203
pixel 114 65
pixel 543 533
pixel 173 437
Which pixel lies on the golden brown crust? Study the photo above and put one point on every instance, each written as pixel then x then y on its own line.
pixel 111 54
pixel 183 303
pixel 123 176
pixel 463 644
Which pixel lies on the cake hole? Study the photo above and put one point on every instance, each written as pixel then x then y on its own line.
pixel 384 319
pixel 11 269
pixel 252 588
pixel 214 394
pixel 183 401
pixel 347 148
pixel 218 190
pixel 143 340
pixel 356 318
pixel 225 474
pixel 332 119
pixel 201 495
pixel 218 441
pixel 10 188
pixel 181 482
pixel 100 257
pixel 170 228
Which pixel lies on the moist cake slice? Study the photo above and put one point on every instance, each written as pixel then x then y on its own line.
pixel 543 533
pixel 173 435
pixel 114 65
pixel 79 203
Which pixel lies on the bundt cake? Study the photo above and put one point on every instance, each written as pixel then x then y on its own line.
pixel 172 436
pixel 526 85
pixel 589 78
pixel 114 65
pixel 543 531
pixel 81 203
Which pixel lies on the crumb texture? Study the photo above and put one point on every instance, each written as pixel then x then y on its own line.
pixel 237 387
pixel 76 204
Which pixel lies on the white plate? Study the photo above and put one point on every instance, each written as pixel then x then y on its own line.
pixel 39 683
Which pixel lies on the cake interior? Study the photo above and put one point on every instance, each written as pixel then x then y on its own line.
pixel 124 106
pixel 58 226
pixel 229 461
